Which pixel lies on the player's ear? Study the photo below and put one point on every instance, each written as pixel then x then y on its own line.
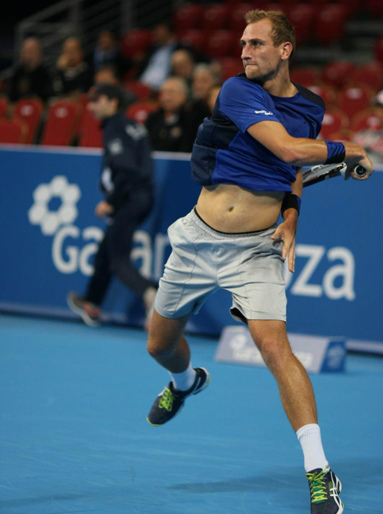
pixel 286 50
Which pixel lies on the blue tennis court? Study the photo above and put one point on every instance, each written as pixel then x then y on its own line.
pixel 74 438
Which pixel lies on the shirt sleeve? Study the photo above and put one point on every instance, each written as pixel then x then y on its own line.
pixel 245 103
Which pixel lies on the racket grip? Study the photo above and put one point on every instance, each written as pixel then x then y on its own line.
pixel 359 170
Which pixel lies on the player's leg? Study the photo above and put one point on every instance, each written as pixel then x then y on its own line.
pixel 298 400
pixel 168 346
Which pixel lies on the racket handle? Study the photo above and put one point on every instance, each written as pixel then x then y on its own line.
pixel 359 170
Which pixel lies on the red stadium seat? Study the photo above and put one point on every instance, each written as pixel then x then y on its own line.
pixel 334 119
pixel 137 41
pixel 13 131
pixel 90 134
pixel 354 99
pixel 378 49
pixel 342 135
pixel 195 39
pixel 326 92
pixel 62 123
pixel 305 75
pixel 237 16
pixel 4 104
pixel 353 6
pixel 215 17
pixel 30 111
pixel 330 24
pixel 374 8
pixel 369 119
pixel 142 91
pixel 337 73
pixel 187 17
pixel 223 43
pixel 370 74
pixel 139 111
pixel 302 17
pixel 230 66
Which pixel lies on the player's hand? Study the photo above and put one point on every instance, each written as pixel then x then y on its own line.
pixel 103 209
pixel 366 164
pixel 286 232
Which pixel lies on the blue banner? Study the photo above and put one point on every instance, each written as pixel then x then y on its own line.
pixel 50 234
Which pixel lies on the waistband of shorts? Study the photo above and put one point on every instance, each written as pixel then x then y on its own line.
pixel 197 220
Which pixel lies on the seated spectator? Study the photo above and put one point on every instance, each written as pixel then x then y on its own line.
pixel 31 77
pixel 372 138
pixel 73 75
pixel 173 127
pixel 183 64
pixel 204 78
pixel 212 96
pixel 107 52
pixel 107 74
pixel 157 64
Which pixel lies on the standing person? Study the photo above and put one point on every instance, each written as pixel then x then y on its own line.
pixel 247 157
pixel 126 181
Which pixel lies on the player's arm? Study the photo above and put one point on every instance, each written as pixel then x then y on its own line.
pixel 304 151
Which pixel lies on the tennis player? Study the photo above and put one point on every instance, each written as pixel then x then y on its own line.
pixel 248 158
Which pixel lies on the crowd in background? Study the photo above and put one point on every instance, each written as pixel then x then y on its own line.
pixel 179 84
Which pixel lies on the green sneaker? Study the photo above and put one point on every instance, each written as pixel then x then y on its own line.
pixel 170 401
pixel 325 488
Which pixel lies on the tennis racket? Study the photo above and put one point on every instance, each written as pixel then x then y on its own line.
pixel 323 172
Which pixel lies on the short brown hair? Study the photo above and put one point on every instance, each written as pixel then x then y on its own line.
pixel 282 28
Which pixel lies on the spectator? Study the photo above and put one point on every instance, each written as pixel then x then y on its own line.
pixel 73 74
pixel 31 77
pixel 212 96
pixel 127 185
pixel 107 52
pixel 183 64
pixel 157 66
pixel 173 126
pixel 372 138
pixel 107 74
pixel 204 78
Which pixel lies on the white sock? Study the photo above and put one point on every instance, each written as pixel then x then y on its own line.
pixel 311 442
pixel 184 380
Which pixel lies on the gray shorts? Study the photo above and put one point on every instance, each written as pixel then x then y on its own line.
pixel 249 266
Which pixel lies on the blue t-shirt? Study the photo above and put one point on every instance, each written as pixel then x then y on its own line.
pixel 224 152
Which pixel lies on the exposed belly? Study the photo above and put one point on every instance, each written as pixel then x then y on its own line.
pixel 231 209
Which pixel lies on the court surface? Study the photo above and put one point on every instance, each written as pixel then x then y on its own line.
pixel 74 438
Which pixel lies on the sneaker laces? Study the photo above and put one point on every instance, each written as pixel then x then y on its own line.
pixel 317 486
pixel 166 401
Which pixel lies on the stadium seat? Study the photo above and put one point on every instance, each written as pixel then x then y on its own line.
pixel 374 8
pixel 90 133
pixel 370 74
pixel 368 119
pixel 230 66
pixel 353 6
pixel 302 17
pixel 305 75
pixel 215 17
pixel 30 111
pixel 330 24
pixel 237 16
pixel 139 111
pixel 334 120
pixel 378 49
pixel 13 131
pixel 142 91
pixel 353 99
pixel 326 92
pixel 137 41
pixel 337 73
pixel 223 43
pixel 342 135
pixel 188 16
pixel 62 123
pixel 195 39
pixel 4 104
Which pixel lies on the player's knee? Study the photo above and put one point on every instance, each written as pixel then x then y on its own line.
pixel 273 352
pixel 158 350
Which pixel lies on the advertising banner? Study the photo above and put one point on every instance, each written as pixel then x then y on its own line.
pixel 49 235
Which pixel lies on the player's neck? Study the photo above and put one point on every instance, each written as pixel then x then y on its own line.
pixel 280 85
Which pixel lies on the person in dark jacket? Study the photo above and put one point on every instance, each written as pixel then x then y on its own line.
pixel 126 181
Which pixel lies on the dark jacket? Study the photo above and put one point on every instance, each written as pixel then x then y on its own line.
pixel 127 164
pixel 26 83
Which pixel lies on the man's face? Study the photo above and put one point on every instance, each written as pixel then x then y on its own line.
pixel 261 59
pixel 31 54
pixel 103 107
pixel 171 96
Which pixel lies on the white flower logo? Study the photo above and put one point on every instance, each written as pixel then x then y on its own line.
pixel 51 220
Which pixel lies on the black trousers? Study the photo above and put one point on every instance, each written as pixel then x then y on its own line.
pixel 113 255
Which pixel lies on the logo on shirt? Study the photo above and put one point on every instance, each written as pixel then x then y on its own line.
pixel 266 113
